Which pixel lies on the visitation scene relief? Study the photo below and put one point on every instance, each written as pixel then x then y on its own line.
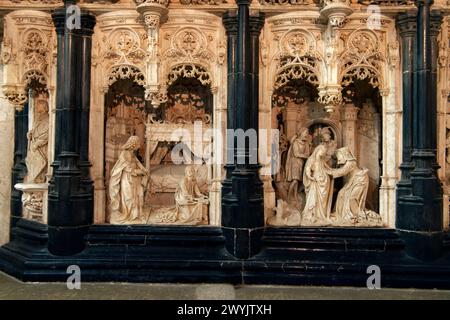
pixel 328 159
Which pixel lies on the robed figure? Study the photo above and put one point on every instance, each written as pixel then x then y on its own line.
pixel 318 189
pixel 126 186
pixel 351 200
pixel 37 158
pixel 298 152
pixel 192 205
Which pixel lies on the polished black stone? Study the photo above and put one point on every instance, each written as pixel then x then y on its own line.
pixel 70 199
pixel 19 169
pixel 294 256
pixel 242 195
pixel 419 199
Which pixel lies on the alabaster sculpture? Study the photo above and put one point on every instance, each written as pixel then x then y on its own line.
pixel 126 186
pixel 298 152
pixel 191 205
pixel 34 186
pixel 317 180
pixel 37 153
pixel 350 206
pixel 318 189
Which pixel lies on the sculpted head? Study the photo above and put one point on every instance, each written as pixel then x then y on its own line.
pixel 344 154
pixel 325 134
pixel 320 151
pixel 133 143
pixel 41 106
pixel 189 172
pixel 302 132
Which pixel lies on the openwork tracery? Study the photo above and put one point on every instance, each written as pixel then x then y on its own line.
pixel 126 72
pixel 362 59
pixel 189 71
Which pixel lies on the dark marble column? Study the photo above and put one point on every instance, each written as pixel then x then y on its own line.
pixel 19 169
pixel 242 206
pixel 70 207
pixel 406 23
pixel 419 214
pixel 230 24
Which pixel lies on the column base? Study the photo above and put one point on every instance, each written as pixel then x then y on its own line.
pixel 66 241
pixel 424 246
pixel 243 243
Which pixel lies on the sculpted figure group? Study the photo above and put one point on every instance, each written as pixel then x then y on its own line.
pixel 127 187
pixel 318 176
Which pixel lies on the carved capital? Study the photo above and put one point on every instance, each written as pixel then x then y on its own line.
pixel 350 112
pixel 406 24
pixel 384 92
pixel 16 97
pixel 336 11
pixel 331 98
pixel 230 23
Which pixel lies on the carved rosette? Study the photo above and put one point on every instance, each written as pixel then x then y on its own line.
pixel 16 97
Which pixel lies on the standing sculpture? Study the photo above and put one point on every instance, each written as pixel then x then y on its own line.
pixel 350 206
pixel 298 152
pixel 37 156
pixel 318 189
pixel 126 186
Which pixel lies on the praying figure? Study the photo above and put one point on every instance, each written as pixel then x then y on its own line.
pixel 350 206
pixel 37 157
pixel 192 205
pixel 318 189
pixel 126 186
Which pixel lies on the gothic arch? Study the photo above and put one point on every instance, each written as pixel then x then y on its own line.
pixel 362 59
pixel 126 72
pixel 189 70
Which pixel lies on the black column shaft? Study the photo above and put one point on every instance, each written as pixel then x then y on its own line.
pixel 406 23
pixel 19 170
pixel 70 208
pixel 419 214
pixel 242 204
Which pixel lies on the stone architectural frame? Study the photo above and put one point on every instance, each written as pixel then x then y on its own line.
pixel 197 40
pixel 119 51
pixel 443 115
pixel 330 51
pixel 391 114
pixel 28 55
pixel 120 45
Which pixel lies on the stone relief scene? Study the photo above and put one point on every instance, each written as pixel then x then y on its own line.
pixel 145 184
pixel 329 162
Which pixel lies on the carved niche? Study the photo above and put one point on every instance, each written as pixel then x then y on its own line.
pixel 33 56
